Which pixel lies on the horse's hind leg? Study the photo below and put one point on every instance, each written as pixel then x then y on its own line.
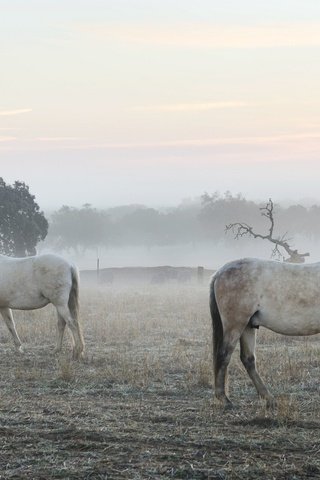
pixel 73 324
pixel 8 318
pixel 223 357
pixel 60 331
pixel 247 355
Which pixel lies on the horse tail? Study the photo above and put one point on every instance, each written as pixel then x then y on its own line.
pixel 217 329
pixel 73 302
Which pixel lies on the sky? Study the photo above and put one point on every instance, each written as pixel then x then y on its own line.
pixel 113 102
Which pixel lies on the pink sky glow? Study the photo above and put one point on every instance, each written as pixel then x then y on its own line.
pixel 152 105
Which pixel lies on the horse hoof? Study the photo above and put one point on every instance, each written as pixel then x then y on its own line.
pixel 224 402
pixel 229 406
pixel 20 350
pixel 77 356
pixel 271 403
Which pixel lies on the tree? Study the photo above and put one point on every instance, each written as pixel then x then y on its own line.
pixel 243 229
pixel 217 210
pixel 142 227
pixel 79 228
pixel 22 224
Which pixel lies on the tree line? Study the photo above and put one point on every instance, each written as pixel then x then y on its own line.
pixel 202 220
pixel 23 225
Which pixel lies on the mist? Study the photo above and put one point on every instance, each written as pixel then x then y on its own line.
pixel 189 234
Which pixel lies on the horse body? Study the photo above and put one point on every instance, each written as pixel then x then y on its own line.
pixel 249 293
pixel 34 282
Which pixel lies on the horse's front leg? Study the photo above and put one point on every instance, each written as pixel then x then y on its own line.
pixel 8 318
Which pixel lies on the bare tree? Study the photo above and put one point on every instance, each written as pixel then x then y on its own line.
pixel 243 229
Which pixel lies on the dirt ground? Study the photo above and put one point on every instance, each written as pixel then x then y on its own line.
pixel 140 405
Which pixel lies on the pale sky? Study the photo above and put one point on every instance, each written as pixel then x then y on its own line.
pixel 151 101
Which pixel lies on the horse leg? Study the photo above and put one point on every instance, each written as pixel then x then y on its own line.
pixel 73 324
pixel 8 318
pixel 223 357
pixel 247 355
pixel 60 331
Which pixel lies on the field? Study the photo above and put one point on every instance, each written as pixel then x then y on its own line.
pixel 140 405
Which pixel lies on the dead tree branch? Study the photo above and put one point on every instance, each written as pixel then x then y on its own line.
pixel 242 229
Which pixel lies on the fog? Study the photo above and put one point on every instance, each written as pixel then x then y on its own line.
pixel 192 233
pixel 208 255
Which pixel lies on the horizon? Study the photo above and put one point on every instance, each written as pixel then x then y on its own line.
pixel 284 203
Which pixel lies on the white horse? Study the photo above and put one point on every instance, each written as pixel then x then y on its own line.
pixel 33 282
pixel 249 293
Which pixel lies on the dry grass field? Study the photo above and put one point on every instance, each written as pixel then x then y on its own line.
pixel 140 405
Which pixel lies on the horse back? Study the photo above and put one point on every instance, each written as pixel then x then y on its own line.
pixel 53 274
pixel 282 297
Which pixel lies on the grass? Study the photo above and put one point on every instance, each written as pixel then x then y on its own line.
pixel 140 405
